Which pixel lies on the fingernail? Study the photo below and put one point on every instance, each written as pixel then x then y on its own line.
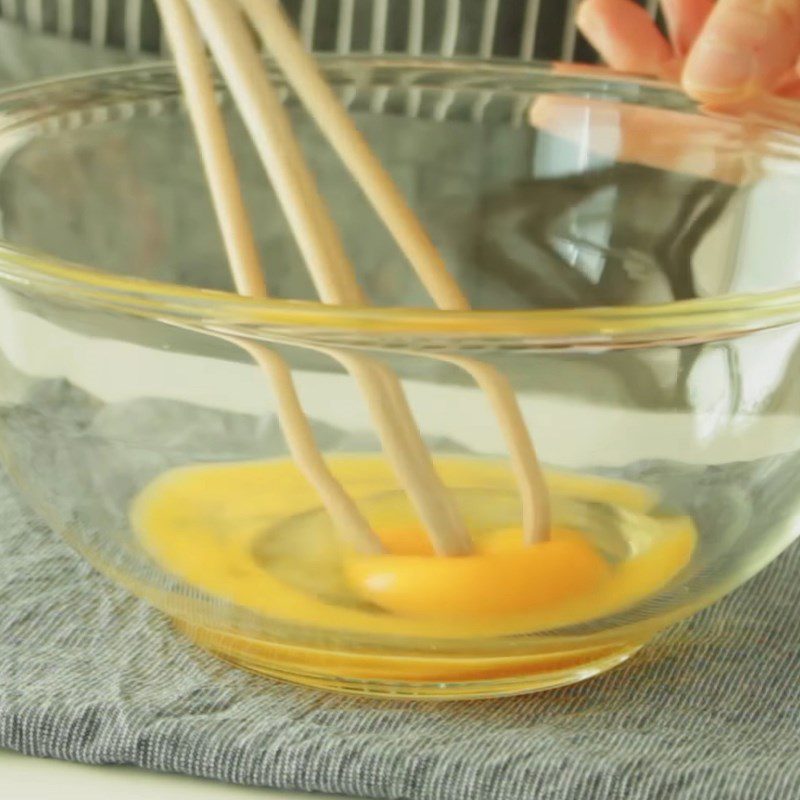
pixel 589 22
pixel 586 14
pixel 715 68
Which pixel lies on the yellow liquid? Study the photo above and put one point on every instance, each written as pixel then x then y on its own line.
pixel 254 534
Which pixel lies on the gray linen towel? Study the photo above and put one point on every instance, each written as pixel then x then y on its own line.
pixel 87 673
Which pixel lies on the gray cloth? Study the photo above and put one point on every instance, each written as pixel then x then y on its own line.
pixel 87 673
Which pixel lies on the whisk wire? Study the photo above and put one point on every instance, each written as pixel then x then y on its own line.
pixel 276 30
pixel 269 126
pixel 227 35
pixel 239 241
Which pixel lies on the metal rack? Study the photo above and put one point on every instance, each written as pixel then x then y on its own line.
pixel 523 29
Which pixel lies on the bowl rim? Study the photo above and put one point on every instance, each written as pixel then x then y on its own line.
pixel 698 319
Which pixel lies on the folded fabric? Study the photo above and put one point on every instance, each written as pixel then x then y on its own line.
pixel 88 673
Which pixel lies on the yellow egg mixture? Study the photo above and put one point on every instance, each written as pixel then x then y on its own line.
pixel 253 534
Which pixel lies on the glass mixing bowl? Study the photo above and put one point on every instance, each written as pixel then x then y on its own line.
pixel 632 262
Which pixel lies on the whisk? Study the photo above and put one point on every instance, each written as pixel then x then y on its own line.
pixel 226 28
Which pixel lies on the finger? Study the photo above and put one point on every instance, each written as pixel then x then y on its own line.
pixel 667 140
pixel 670 71
pixel 782 110
pixel 685 19
pixel 789 86
pixel 744 49
pixel 624 35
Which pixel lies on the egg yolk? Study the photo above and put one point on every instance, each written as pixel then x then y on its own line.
pixel 205 525
pixel 503 576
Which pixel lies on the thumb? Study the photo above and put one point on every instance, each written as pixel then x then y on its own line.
pixel 745 48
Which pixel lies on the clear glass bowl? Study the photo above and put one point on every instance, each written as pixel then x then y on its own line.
pixel 632 261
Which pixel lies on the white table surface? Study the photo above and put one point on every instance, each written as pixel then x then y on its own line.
pixel 23 778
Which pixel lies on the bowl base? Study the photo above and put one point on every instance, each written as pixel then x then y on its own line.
pixel 411 677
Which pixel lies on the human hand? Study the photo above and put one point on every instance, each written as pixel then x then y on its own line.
pixel 724 53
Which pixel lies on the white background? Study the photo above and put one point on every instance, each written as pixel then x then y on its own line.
pixel 23 778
